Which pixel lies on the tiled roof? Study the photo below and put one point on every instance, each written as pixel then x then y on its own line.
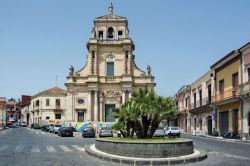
pixel 52 91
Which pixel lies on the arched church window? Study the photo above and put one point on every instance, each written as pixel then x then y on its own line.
pixel 110 33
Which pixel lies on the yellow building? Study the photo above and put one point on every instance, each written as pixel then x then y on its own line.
pixel 227 101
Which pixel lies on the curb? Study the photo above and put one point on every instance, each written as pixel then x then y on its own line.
pixel 141 161
pixel 218 138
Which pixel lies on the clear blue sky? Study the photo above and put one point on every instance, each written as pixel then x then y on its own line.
pixel 180 39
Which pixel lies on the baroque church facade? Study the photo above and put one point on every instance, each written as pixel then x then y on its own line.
pixel 110 74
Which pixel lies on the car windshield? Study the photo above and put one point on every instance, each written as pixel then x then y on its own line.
pixel 160 128
pixel 66 128
pixel 89 128
pixel 105 128
pixel 174 128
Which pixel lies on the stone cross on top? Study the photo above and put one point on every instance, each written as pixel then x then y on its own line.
pixel 110 9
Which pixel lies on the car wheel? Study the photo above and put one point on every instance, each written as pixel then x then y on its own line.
pixel 179 135
pixel 169 135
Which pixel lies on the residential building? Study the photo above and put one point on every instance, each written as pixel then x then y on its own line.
pixel 25 110
pixel 202 121
pixel 13 110
pixel 48 106
pixel 2 111
pixel 110 74
pixel 245 87
pixel 182 100
pixel 227 100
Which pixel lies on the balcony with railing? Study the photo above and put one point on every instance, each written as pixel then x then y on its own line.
pixel 205 101
pixel 228 94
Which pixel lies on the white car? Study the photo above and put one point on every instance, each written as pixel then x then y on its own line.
pixel 173 131
pixel 56 128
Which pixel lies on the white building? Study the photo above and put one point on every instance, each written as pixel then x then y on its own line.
pixel 48 106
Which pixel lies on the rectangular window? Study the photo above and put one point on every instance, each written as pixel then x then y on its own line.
pixel 110 68
pixel 200 94
pixel 194 100
pixel 58 116
pixel 221 86
pixel 248 72
pixel 100 35
pixel 235 81
pixel 37 103
pixel 58 102
pixel 47 102
pixel 119 34
pixel 209 93
pixel 186 104
pixel 47 117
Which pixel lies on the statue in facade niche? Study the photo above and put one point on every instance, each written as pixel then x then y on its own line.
pixel 149 70
pixel 71 71
pixel 127 32
pixel 93 32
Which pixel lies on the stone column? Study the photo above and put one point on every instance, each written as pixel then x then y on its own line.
pixel 90 62
pixel 118 102
pixel 89 107
pixel 129 63
pixel 95 63
pixel 129 94
pixel 125 63
pixel 123 97
pixel 101 109
pixel 96 107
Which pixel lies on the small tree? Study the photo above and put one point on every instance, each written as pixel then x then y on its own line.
pixel 143 113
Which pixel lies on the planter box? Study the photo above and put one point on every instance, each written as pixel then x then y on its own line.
pixel 146 149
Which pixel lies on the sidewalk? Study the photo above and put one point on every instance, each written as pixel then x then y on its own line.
pixel 219 138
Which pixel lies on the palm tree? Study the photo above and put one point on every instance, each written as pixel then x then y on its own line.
pixel 143 113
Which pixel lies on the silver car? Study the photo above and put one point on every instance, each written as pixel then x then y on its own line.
pixel 159 132
pixel 105 132
pixel 56 128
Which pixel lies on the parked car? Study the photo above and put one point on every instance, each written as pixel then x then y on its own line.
pixel 56 128
pixel 23 124
pixel 159 132
pixel 65 131
pixel 105 132
pixel 88 132
pixel 173 131
pixel 45 127
pixel 35 126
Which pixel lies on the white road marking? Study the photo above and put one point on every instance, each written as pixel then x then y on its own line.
pixel 43 132
pixel 79 148
pixel 65 148
pixel 37 132
pixel 50 149
pixel 19 148
pixel 4 147
pixel 35 149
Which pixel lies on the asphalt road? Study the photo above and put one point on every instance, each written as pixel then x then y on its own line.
pixel 27 147
pixel 222 153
